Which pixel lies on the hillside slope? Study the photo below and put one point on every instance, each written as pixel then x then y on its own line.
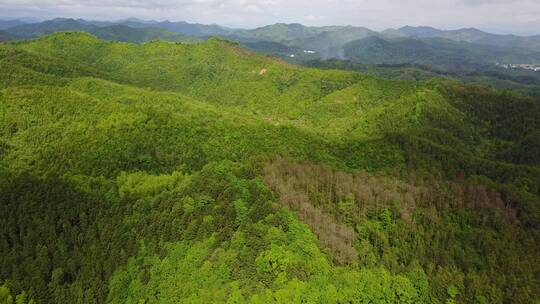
pixel 205 173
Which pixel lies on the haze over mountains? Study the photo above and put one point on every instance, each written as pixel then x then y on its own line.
pixel 293 39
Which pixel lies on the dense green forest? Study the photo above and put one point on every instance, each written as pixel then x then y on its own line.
pixel 165 172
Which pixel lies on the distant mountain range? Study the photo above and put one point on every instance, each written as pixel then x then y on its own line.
pixel 106 30
pixel 5 24
pixel 4 36
pixel 436 52
pixel 473 35
pixel 454 50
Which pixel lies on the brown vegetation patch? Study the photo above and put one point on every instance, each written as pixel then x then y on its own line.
pixel 317 194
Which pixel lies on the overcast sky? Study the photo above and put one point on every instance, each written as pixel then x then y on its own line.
pixel 502 16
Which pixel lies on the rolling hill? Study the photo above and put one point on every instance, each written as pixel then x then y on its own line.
pixel 206 173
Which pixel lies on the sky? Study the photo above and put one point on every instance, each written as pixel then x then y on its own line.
pixel 499 16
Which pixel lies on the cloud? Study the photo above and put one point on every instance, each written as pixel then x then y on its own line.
pixel 489 2
pixel 313 18
pixel 522 16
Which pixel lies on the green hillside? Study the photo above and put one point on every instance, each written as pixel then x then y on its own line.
pixel 190 29
pixel 205 173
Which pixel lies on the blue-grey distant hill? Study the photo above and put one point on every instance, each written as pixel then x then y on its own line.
pixel 105 30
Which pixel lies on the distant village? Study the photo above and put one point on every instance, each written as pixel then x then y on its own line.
pixel 526 66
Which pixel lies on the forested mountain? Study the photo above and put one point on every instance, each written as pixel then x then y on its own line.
pixel 473 35
pixel 192 29
pixel 332 42
pixel 434 52
pixel 34 30
pixel 125 33
pixel 5 36
pixel 205 173
pixel 6 24
pixel 296 39
pixel 114 32
pixel 280 32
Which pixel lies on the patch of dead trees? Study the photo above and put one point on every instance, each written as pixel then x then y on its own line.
pixel 315 192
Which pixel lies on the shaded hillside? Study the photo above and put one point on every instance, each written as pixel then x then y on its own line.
pixel 5 36
pixel 191 29
pixel 473 35
pixel 435 52
pixel 330 43
pixel 34 30
pixel 280 32
pixel 6 24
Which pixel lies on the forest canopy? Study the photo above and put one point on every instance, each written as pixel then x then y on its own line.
pixel 165 172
